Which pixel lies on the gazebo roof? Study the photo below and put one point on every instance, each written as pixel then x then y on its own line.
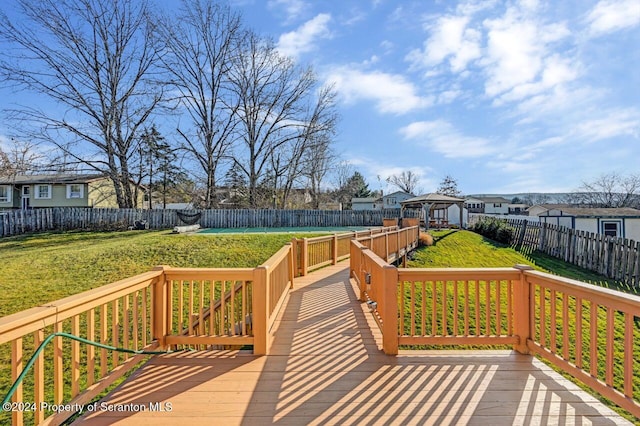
pixel 431 198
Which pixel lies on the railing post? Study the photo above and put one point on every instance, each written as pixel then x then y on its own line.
pixel 294 254
pixel 334 260
pixel 160 306
pixel 260 314
pixel 386 246
pixel 390 314
pixel 522 310
pixel 292 263
pixel 305 257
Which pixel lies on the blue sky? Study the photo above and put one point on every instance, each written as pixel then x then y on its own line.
pixel 505 96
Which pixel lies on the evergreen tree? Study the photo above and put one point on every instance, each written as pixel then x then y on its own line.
pixel 449 186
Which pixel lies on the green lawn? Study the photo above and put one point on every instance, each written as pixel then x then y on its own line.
pixel 464 249
pixel 42 268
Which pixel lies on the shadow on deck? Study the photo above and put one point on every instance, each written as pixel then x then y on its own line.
pixel 326 367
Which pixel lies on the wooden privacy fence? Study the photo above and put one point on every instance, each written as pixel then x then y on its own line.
pixel 615 258
pixel 589 332
pixel 16 222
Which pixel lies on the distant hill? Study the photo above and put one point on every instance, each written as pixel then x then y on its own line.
pixel 535 197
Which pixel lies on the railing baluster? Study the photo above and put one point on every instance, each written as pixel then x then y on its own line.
pixel 58 379
pixel 487 308
pixel 125 326
pixel 91 350
pixel 477 308
pixel 190 311
pixel 466 307
pixel 609 356
pixel 38 378
pixel 212 311
pixel 75 356
pixel 413 308
pixel 594 339
pixel 445 312
pixel 434 318
pixel 136 319
pixel 579 340
pixel 498 310
pixel 17 416
pixel 542 293
pixel 553 313
pixel 103 340
pixel 565 326
pixel 115 331
pixel 628 354
pixel 423 286
pixel 455 308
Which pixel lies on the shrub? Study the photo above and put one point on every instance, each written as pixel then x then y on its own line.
pixel 495 229
pixel 425 239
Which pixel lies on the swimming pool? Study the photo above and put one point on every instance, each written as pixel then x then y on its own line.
pixel 286 230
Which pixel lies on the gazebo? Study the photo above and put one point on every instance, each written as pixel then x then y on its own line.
pixel 432 202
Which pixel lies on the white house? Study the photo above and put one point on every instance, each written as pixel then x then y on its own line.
pixel 368 203
pixel 621 222
pixel 393 200
pixel 487 205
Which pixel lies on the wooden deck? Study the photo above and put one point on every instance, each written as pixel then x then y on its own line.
pixel 327 367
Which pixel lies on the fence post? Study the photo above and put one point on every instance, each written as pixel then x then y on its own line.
pixel 160 306
pixel 334 259
pixel 522 309
pixel 260 314
pixel 390 314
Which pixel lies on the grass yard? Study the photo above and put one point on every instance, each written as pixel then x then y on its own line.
pixel 41 268
pixel 464 249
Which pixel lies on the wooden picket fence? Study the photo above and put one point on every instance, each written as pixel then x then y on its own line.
pixel 615 258
pixel 16 222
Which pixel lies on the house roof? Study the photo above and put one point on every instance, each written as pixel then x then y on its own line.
pixel 596 212
pixel 364 200
pixel 490 199
pixel 396 193
pixel 62 178
pixel 431 198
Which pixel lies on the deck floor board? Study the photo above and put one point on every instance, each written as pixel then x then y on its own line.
pixel 327 367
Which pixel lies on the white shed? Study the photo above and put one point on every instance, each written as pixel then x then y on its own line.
pixel 621 222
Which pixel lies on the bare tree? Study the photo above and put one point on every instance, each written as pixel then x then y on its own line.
pixel 94 58
pixel 610 190
pixel 200 48
pixel 272 93
pixel 406 181
pixel 20 158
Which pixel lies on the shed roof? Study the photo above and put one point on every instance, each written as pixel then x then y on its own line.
pixel 596 212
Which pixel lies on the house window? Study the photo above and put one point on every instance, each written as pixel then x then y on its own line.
pixel 75 190
pixel 43 191
pixel 5 194
pixel 611 229
pixel 497 204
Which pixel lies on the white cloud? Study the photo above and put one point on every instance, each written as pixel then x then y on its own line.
pixel 391 93
pixel 613 15
pixel 610 124
pixel 442 137
pixel 303 39
pixel 451 40
pixel 293 8
pixel 517 50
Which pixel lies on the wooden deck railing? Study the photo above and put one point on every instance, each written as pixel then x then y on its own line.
pixel 315 253
pixel 164 309
pixel 589 332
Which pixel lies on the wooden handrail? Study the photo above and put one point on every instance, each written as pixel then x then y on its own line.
pixel 531 310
